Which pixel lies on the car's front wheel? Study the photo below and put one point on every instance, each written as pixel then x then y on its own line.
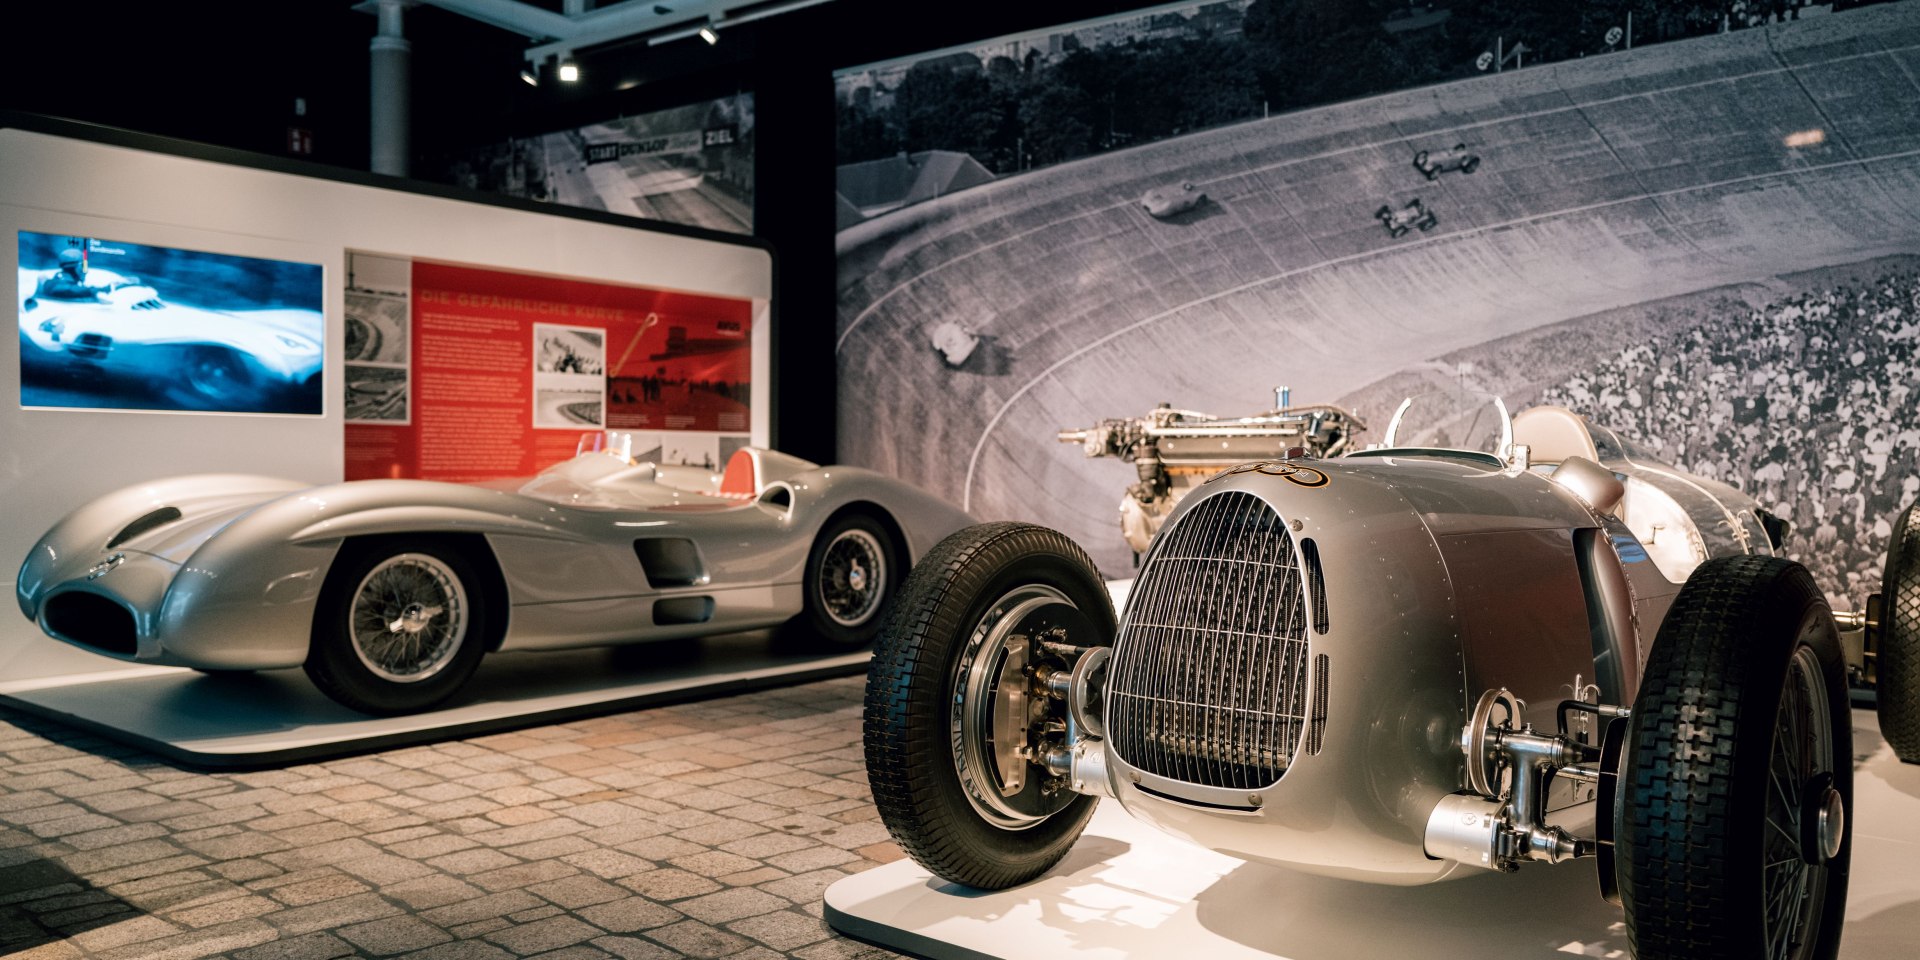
pixel 216 377
pixel 956 709
pixel 1732 830
pixel 399 627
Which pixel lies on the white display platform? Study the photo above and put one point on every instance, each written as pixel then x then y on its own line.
pixel 276 717
pixel 1129 891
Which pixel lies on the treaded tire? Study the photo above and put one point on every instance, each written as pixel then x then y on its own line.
pixel 1897 681
pixel 1693 829
pixel 334 666
pixel 910 699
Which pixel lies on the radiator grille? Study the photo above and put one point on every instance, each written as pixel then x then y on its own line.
pixel 1209 677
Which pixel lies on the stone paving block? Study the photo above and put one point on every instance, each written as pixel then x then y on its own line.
pixel 695 939
pixel 669 884
pixel 576 891
pixel 479 928
pixel 461 950
pixel 312 946
pixel 766 845
pixel 238 846
pixel 610 864
pixel 162 811
pixel 720 831
pixel 727 905
pixel 782 930
pixel 848 836
pixel 81 822
pixel 319 890
pixel 468 862
pixel 114 836
pixel 634 948
pixel 549 934
pixel 331 914
pixel 544 830
pixel 433 845
pixel 714 863
pixel 805 887
pixel 537 913
pixel 393 935
pixel 523 874
pixel 662 848
pixel 150 868
pixel 243 871
pixel 389 837
pixel 323 837
pixel 427 892
pixel 483 908
pixel 224 911
pixel 549 849
pixel 629 915
pixel 384 868
pixel 224 938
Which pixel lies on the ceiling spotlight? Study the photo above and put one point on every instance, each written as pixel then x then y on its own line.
pixel 569 71
pixel 528 77
pixel 709 34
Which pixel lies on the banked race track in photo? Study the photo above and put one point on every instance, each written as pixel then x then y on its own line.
pixel 1618 198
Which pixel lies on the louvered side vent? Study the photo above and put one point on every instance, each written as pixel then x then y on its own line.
pixel 1209 677
pixel 1316 585
pixel 1317 721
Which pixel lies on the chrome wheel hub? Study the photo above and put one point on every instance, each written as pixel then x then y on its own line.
pixel 853 574
pixel 408 618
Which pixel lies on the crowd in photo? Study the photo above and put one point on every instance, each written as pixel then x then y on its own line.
pixel 1807 405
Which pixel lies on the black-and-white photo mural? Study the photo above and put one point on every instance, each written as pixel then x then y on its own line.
pixel 1696 223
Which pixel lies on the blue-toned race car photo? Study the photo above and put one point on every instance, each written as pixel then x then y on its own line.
pixel 389 592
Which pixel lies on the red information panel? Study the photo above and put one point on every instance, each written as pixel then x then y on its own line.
pixel 504 371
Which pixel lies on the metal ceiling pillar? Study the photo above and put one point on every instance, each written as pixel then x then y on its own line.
pixel 392 68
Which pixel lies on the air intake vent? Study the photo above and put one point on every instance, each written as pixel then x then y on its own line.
pixel 92 621
pixel 1209 675
pixel 1317 721
pixel 152 521
pixel 1316 585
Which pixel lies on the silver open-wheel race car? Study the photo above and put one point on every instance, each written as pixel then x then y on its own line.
pixel 1407 665
pixel 389 592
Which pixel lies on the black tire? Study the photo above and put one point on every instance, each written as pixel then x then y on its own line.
pixel 369 577
pixel 913 710
pixel 216 376
pixel 1433 173
pixel 1741 725
pixel 1472 164
pixel 1897 672
pixel 845 601
pixel 1384 214
pixel 1396 232
pixel 1420 161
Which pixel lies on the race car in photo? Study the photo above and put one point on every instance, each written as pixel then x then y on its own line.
pixel 1408 665
pixel 1166 201
pixel 125 339
pixel 1413 214
pixel 1433 163
pixel 389 592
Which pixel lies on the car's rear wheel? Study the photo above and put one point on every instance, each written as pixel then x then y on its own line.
pixel 952 716
pixel 1732 832
pixel 852 571
pixel 1897 669
pixel 398 627
pixel 1472 164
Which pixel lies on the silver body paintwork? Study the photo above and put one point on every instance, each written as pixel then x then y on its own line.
pixel 232 583
pixel 1446 574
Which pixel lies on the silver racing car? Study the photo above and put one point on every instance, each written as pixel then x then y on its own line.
pixel 1407 665
pixel 390 591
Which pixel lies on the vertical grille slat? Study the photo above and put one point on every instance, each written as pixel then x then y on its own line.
pixel 1209 675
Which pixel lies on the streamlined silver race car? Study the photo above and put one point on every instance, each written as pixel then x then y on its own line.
pixel 1166 201
pixel 390 591
pixel 197 359
pixel 1407 665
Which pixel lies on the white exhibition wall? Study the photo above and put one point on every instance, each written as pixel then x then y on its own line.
pixel 51 461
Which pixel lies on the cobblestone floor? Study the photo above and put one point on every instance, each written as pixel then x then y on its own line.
pixel 704 830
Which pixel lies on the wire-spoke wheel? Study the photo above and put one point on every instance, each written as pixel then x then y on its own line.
pixel 398 627
pixel 409 618
pixel 852 570
pixel 1732 832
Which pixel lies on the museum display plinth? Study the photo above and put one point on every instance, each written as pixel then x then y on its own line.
pixel 278 716
pixel 1128 890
